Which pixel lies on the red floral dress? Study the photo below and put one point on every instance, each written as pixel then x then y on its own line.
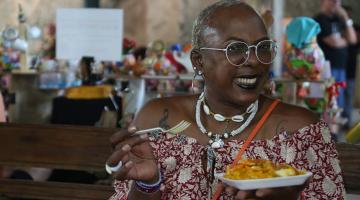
pixel 180 159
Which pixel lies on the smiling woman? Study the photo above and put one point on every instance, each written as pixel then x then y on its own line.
pixel 233 53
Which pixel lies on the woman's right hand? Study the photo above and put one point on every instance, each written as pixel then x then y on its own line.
pixel 135 153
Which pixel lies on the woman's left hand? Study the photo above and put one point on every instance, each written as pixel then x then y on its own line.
pixel 286 193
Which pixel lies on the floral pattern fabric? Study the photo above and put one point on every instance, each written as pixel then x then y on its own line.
pixel 180 159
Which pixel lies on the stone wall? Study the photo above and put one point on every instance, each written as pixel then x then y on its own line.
pixel 148 20
pixel 39 12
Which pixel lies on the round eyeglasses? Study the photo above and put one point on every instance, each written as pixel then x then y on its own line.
pixel 238 52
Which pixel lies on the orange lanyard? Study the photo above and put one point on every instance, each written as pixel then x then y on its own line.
pixel 247 143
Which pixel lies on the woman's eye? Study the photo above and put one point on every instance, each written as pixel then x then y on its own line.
pixel 239 48
pixel 265 47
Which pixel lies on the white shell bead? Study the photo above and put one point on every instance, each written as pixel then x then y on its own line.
pixel 226 135
pixel 237 118
pixel 250 108
pixel 206 109
pixel 219 117
pixel 209 133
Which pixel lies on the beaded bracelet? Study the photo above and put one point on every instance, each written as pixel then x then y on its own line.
pixel 149 188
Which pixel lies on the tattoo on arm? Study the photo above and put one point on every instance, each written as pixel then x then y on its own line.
pixel 280 127
pixel 163 123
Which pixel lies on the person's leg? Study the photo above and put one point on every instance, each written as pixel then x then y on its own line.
pixel 349 94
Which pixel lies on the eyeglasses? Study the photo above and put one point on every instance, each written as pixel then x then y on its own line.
pixel 238 52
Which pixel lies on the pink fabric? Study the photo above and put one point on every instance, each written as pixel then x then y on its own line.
pixel 310 148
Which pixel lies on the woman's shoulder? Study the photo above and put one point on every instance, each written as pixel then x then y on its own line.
pixel 166 110
pixel 293 118
pixel 171 103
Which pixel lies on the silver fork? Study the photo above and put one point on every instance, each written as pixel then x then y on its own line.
pixel 181 126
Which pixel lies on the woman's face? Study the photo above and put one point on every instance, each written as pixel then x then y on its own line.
pixel 224 81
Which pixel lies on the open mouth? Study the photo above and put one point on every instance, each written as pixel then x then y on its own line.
pixel 247 82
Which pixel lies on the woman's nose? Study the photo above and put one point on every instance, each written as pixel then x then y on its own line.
pixel 252 58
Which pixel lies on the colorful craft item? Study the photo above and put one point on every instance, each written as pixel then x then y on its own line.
pixel 301 31
pixel 302 56
pixel 333 90
pixel 128 45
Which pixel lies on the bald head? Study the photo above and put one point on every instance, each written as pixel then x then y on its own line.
pixel 209 17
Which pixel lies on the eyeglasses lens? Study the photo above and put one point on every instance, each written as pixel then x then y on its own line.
pixel 237 52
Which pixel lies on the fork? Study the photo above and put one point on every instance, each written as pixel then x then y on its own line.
pixel 181 126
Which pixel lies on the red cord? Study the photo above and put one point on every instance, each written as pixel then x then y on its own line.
pixel 253 133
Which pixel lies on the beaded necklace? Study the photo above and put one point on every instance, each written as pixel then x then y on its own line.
pixel 216 140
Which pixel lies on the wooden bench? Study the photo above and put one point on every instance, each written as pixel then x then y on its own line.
pixel 57 147
pixel 87 148
pixel 349 155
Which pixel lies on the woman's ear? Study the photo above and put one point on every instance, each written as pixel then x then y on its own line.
pixel 196 60
pixel 268 18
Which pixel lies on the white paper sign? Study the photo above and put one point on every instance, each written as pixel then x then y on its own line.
pixel 89 32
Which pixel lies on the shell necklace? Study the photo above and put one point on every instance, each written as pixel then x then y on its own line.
pixel 221 118
pixel 216 140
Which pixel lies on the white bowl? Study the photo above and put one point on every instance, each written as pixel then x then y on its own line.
pixel 252 184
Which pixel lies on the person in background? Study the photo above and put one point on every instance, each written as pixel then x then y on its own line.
pixel 351 65
pixel 337 33
pixel 233 52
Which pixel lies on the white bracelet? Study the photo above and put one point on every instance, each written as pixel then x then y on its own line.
pixel 349 22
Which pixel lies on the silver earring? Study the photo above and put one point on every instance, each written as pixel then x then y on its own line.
pixel 200 73
pixel 192 83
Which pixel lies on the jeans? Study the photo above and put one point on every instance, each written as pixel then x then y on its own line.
pixel 339 75
pixel 349 94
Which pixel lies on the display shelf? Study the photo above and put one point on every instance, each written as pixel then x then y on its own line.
pixel 155 77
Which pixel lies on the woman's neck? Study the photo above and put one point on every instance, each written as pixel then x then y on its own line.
pixel 224 107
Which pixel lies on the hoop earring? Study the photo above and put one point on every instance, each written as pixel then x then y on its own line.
pixel 270 86
pixel 197 73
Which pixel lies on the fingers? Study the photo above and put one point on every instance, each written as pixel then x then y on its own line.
pixel 264 192
pixel 121 135
pixel 119 155
pixel 132 141
pixel 124 171
pixel 123 149
pixel 230 191
pixel 240 194
pixel 291 192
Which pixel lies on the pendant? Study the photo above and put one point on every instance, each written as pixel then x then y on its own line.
pixel 217 142
pixel 210 166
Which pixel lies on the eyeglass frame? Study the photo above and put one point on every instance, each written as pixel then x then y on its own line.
pixel 247 52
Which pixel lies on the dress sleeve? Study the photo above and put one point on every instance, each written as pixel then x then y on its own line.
pixel 322 160
pixel 122 189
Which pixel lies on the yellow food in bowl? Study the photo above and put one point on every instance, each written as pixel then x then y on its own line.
pixel 256 169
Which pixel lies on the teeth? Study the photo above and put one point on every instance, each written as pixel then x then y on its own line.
pixel 246 81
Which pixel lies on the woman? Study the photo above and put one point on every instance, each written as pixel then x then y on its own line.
pixel 166 166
